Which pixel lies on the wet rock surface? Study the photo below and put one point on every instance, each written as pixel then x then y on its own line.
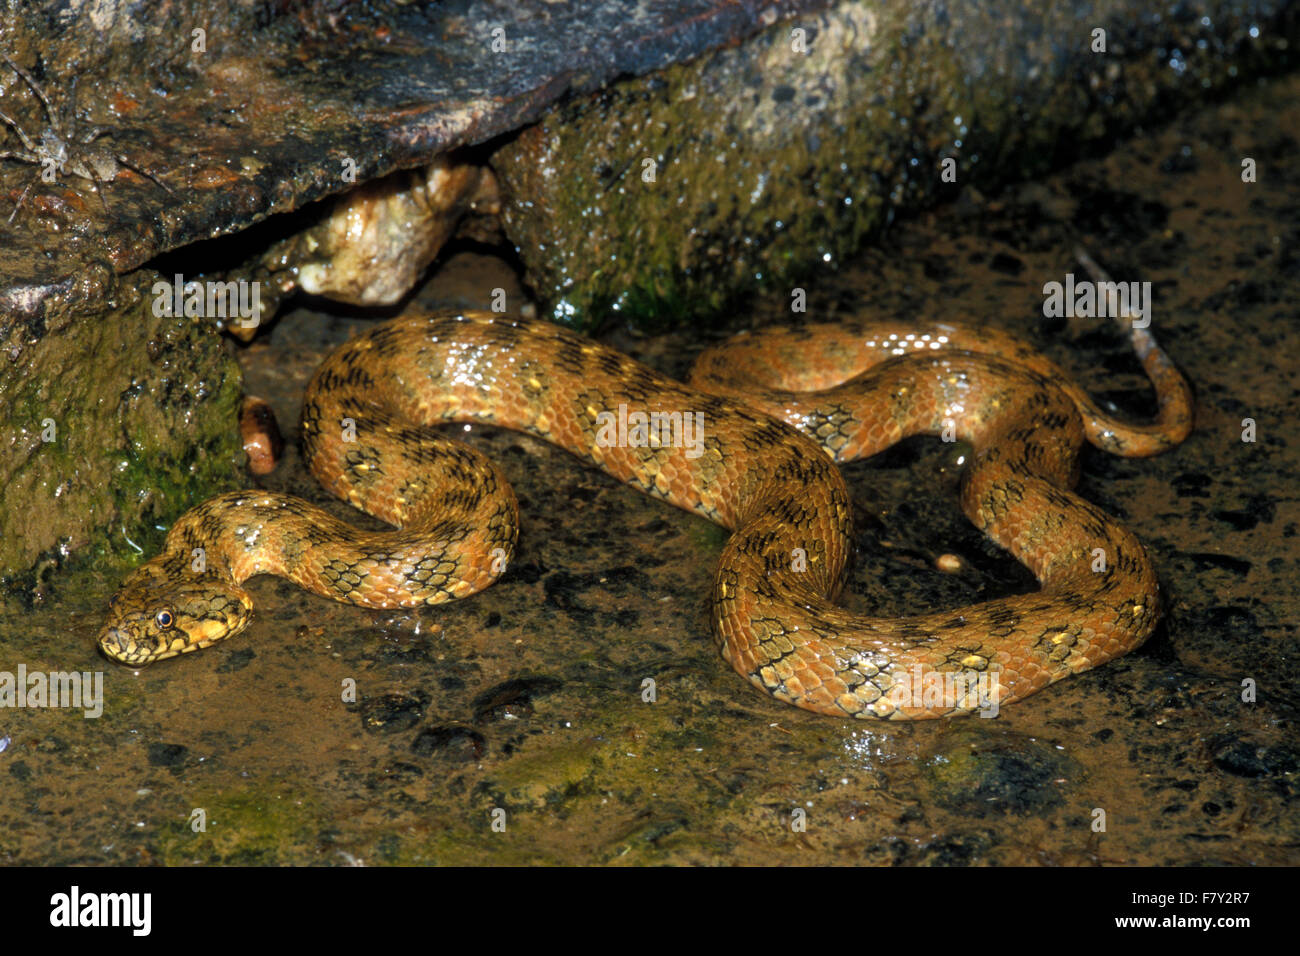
pixel 247 110
pixel 822 129
pixel 112 424
pixel 1186 745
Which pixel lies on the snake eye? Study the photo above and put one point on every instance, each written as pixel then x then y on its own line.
pixel 164 619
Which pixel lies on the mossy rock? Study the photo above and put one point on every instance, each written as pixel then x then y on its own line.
pixel 117 425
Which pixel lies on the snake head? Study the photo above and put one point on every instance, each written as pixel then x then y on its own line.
pixel 156 615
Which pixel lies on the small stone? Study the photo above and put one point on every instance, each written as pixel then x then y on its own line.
pixel 513 699
pixel 390 713
pixel 455 743
pixel 167 755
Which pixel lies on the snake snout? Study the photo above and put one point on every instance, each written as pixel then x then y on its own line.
pixel 117 645
pixel 114 641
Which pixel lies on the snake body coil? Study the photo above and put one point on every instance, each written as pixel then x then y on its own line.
pixel 849 391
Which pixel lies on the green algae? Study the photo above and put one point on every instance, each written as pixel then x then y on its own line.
pixel 707 536
pixel 549 778
pixel 464 846
pixel 271 823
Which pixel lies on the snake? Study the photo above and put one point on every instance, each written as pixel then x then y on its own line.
pixel 776 410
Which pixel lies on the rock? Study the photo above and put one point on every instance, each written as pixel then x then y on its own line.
pixel 454 743
pixel 667 197
pixel 513 698
pixel 260 433
pixel 1243 758
pixel 114 423
pixel 167 755
pixel 977 773
pixel 391 713
pixel 247 110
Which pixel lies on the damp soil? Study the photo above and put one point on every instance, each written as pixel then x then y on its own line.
pixel 514 726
